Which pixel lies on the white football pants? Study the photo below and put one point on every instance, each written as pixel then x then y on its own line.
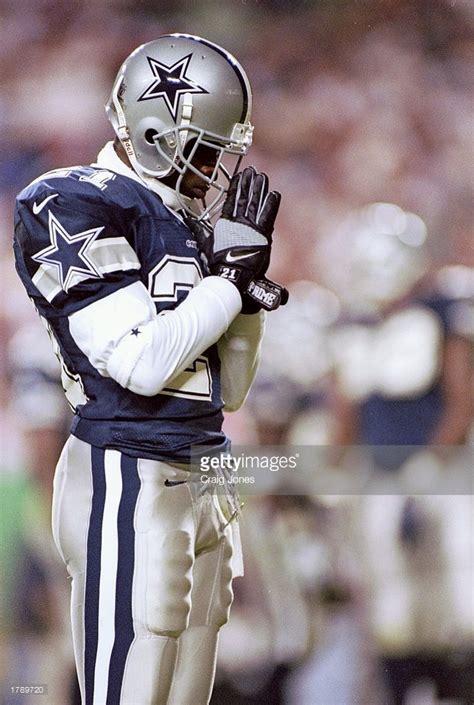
pixel 151 577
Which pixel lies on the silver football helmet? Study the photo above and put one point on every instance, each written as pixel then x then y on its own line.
pixel 375 256
pixel 174 95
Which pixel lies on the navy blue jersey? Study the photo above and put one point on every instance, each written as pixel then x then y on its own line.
pixel 81 234
pixel 409 419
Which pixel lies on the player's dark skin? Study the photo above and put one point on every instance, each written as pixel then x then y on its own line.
pixel 192 184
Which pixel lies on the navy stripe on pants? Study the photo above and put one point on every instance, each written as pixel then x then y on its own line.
pixel 94 546
pixel 124 633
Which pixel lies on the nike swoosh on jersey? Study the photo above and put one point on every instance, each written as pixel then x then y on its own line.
pixel 39 207
pixel 237 258
pixel 173 483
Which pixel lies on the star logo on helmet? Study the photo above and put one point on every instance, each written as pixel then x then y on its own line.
pixel 69 254
pixel 170 83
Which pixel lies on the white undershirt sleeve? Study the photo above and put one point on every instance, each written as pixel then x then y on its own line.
pixel 239 352
pixel 123 337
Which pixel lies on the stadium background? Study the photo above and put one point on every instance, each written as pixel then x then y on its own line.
pixel 355 102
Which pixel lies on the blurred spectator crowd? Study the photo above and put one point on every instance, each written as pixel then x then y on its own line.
pixel 355 102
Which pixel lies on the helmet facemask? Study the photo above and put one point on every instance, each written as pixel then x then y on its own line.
pixel 188 141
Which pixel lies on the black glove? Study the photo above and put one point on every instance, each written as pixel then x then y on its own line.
pixel 259 293
pixel 238 249
pixel 248 203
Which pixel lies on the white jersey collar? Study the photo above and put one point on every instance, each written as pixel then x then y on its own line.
pixel 109 159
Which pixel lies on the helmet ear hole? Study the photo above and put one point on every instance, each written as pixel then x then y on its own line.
pixel 150 135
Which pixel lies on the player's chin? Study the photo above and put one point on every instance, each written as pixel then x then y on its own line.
pixel 198 192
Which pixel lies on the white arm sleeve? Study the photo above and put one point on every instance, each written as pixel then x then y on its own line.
pixel 124 338
pixel 239 352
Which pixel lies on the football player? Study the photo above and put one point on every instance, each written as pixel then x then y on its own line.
pixel 399 355
pixel 156 318
pixel 403 368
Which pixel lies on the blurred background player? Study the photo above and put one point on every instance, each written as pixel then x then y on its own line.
pixel 401 354
pixel 403 371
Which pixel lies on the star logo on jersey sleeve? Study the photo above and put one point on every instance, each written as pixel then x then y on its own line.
pixel 170 83
pixel 69 254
